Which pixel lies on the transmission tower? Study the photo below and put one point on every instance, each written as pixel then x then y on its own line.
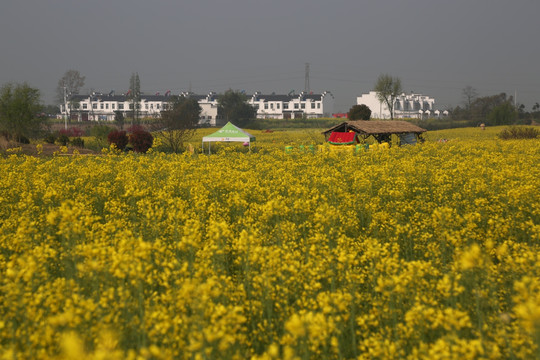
pixel 306 83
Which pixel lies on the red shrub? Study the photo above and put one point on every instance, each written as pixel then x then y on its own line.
pixel 72 132
pixel 76 132
pixel 140 139
pixel 118 138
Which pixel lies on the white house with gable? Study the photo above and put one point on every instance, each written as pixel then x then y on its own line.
pixel 293 106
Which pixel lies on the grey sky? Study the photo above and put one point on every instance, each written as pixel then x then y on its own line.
pixel 436 47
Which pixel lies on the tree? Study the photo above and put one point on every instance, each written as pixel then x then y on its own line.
pixel 233 106
pixel 469 95
pixel 101 134
pixel 387 89
pixel 502 114
pixel 69 84
pixel 134 95
pixel 178 122
pixel 359 112
pixel 20 111
pixel 119 118
pixel 482 106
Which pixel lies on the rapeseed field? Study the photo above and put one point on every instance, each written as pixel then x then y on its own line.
pixel 419 252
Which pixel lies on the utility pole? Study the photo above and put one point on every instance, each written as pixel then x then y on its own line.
pixel 65 107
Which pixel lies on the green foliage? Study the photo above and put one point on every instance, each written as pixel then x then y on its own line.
pixel 100 133
pixel 234 108
pixel 78 142
pixel 359 112
pixel 181 113
pixel 178 122
pixel 62 139
pixel 20 111
pixel 504 113
pixel 481 109
pixel 134 95
pixel 119 118
pixel 518 132
pixel 50 138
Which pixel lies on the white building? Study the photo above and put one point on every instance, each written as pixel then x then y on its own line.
pixel 209 108
pixel 293 106
pixel 405 106
pixel 102 107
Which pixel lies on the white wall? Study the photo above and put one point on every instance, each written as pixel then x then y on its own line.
pixel 406 106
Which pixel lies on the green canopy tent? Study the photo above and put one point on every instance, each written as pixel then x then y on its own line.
pixel 229 133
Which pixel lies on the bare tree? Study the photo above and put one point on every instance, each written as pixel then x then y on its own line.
pixel 469 95
pixel 69 84
pixel 388 89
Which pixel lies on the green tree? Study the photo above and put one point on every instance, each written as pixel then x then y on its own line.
pixel 100 134
pixel 119 118
pixel 359 112
pixel 482 106
pixel 233 107
pixel 388 88
pixel 69 84
pixel 21 111
pixel 178 122
pixel 134 96
pixel 502 114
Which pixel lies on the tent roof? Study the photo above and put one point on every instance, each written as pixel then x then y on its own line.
pixel 374 127
pixel 229 132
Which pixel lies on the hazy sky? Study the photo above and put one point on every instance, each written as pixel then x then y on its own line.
pixel 436 47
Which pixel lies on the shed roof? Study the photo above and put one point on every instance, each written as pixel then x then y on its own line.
pixel 373 127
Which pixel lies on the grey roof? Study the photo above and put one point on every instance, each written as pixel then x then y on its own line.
pixel 287 98
pixel 118 98
pixel 162 97
pixel 274 97
pixel 314 97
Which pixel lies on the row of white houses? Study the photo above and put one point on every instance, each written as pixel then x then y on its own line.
pixel 103 107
